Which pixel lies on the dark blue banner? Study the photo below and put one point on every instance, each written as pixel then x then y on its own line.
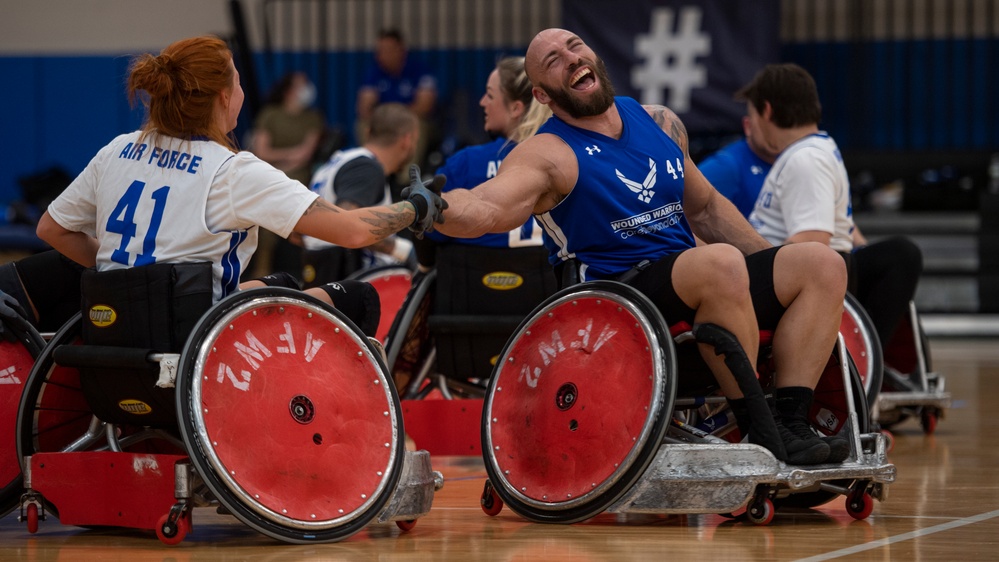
pixel 688 55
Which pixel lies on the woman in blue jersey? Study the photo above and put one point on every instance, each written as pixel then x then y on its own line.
pixel 512 116
pixel 179 191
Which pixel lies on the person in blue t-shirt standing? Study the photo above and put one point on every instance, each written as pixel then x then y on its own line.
pixel 394 76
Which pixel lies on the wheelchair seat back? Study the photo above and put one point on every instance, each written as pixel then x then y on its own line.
pixel 130 313
pixel 482 295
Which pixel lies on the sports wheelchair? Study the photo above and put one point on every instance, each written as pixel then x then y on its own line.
pixel 910 387
pixel 585 412
pixel 456 318
pixel 268 405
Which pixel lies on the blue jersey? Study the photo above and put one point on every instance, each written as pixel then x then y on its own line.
pixel 627 204
pixel 468 168
pixel 737 173
pixel 400 88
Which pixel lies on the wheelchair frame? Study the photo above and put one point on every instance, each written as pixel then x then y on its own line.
pixel 673 467
pixel 158 489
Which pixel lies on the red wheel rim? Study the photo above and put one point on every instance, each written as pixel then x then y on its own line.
pixel 307 390
pixel 564 430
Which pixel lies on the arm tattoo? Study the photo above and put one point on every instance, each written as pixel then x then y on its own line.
pixel 384 224
pixel 669 123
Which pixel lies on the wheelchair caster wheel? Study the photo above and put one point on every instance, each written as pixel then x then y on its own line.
pixel 891 440
pixel 31 517
pixel 929 419
pixel 490 501
pixel 859 504
pixel 406 525
pixel 761 512
pixel 172 533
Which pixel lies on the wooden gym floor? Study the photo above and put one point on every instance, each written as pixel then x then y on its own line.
pixel 944 505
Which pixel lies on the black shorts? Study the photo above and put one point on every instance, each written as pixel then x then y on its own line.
pixel 656 283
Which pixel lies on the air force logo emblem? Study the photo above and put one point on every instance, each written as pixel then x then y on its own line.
pixel 644 189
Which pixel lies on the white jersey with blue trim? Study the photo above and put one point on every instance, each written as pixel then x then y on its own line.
pixel 627 204
pixel 323 183
pixel 808 188
pixel 159 199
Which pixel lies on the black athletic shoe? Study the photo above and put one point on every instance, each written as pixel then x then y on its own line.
pixel 839 448
pixel 803 446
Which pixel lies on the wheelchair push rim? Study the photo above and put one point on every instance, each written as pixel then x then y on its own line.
pixel 579 402
pixel 289 417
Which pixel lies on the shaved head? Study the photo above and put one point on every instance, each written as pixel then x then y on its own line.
pixel 540 46
pixel 567 75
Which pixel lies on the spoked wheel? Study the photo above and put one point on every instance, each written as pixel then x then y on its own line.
pixel 392 283
pixel 579 402
pixel 408 341
pixel 16 360
pixel 289 416
pixel 862 341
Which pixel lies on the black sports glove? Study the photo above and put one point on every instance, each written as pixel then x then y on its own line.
pixel 425 196
pixel 11 315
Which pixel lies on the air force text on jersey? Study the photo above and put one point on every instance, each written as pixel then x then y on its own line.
pixel 656 219
pixel 164 158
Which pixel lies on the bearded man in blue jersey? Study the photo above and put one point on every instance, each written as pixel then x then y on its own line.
pixel 616 191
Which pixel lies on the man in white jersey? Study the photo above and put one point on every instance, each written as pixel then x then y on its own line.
pixel 356 178
pixel 806 195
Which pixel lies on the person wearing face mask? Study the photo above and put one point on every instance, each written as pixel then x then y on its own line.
pixel 286 134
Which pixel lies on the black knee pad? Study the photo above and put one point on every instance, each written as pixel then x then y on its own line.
pixel 358 301
pixel 281 279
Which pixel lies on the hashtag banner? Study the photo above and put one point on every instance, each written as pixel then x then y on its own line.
pixel 690 56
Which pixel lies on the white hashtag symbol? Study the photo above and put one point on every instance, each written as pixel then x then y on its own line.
pixel 670 58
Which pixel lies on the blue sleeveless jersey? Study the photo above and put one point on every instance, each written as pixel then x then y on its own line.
pixel 627 204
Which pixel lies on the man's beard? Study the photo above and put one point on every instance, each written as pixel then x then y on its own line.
pixel 596 105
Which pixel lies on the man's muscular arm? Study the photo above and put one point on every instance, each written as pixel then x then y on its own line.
pixel 712 217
